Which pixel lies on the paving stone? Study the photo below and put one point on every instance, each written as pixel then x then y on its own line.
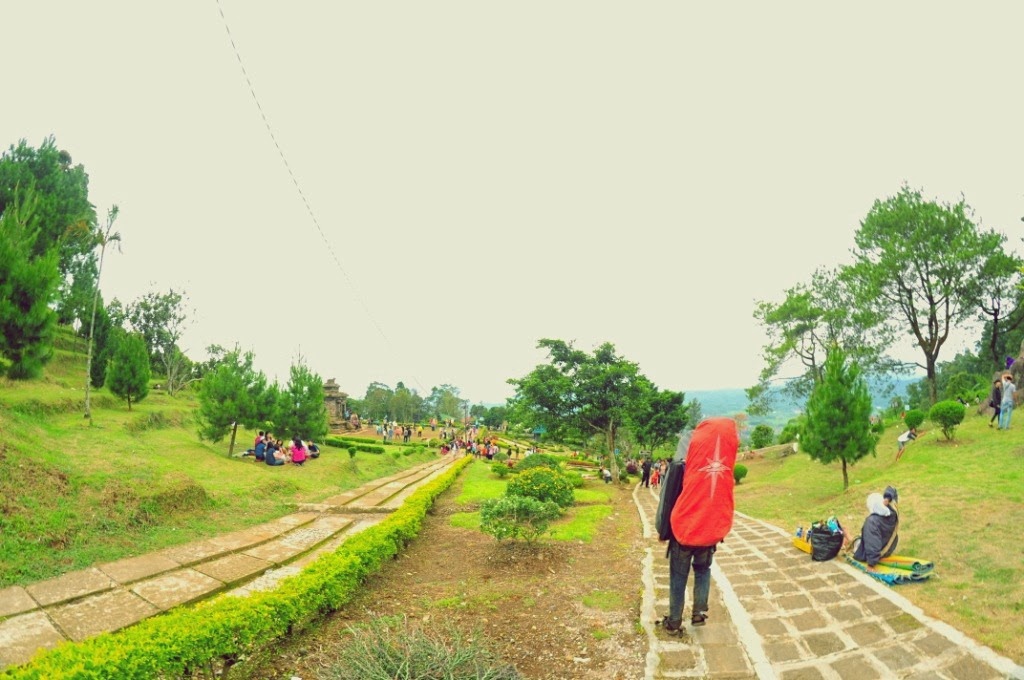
pixel 783 588
pixel 822 644
pixel 233 568
pixel 15 600
pixel 926 675
pixel 677 660
pixel 101 614
pixel 778 652
pixel 742 579
pixel 855 667
pixel 969 668
pixel 136 568
pixel 237 540
pixel 808 673
pixel 176 588
pixel 277 551
pixel 793 602
pixel 191 553
pixel 722 659
pixel 933 644
pixel 70 586
pixel 825 596
pixel 896 658
pixel 745 591
pixel 881 607
pixel 296 519
pixel 903 623
pixel 720 633
pixel 845 612
pixel 867 633
pixel 772 626
pixel 861 593
pixel 22 636
pixel 810 620
pixel 760 605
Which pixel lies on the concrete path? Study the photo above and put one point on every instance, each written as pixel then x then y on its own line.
pixel 774 613
pixel 111 596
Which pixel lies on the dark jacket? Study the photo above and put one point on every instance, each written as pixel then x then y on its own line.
pixel 996 397
pixel 873 537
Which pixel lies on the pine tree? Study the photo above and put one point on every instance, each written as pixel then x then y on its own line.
pixel 301 409
pixel 128 372
pixel 838 423
pixel 233 392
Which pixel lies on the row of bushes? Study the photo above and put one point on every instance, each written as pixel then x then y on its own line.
pixel 946 414
pixel 343 443
pixel 209 638
pixel 537 495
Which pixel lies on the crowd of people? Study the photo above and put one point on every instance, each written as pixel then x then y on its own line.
pixel 273 452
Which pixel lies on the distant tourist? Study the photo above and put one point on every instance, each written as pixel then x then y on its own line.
pixel 905 438
pixel 995 400
pixel 1006 405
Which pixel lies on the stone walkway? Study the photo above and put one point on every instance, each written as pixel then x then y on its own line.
pixel 774 613
pixel 114 595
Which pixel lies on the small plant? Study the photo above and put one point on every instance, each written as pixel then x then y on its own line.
pixel 762 436
pixel 517 517
pixel 739 472
pixel 914 418
pixel 501 470
pixel 575 478
pixel 352 451
pixel 544 484
pixel 947 415
pixel 500 457
pixel 539 460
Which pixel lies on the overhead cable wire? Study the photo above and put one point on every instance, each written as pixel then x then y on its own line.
pixel 302 194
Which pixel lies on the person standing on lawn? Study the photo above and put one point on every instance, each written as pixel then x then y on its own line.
pixel 1006 404
pixel 701 518
pixel 995 400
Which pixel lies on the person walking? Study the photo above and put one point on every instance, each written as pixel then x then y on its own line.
pixel 645 467
pixel 995 400
pixel 1006 404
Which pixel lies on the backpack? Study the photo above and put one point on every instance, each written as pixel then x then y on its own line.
pixel 671 487
pixel 703 513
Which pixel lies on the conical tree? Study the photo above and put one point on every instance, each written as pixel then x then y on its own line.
pixel 839 415
pixel 128 373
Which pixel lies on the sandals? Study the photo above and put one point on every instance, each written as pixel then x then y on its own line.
pixel 673 629
pixel 699 618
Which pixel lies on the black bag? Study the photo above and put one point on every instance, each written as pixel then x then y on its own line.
pixel 671 487
pixel 825 545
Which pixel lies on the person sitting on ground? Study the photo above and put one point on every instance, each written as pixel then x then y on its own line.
pixel 298 451
pixel 273 455
pixel 606 475
pixel 261 449
pixel 879 535
pixel 313 450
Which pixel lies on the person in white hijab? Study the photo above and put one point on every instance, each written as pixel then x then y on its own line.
pixel 878 536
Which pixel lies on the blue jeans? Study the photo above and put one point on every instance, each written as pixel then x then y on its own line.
pixel 1005 411
pixel 679 560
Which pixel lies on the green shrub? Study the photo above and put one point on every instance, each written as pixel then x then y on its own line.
pixel 947 415
pixel 391 648
pixel 500 457
pixel 352 451
pixel 914 418
pixel 762 436
pixel 791 431
pixel 517 517
pixel 739 472
pixel 878 426
pixel 539 460
pixel 575 478
pixel 544 484
pixel 501 470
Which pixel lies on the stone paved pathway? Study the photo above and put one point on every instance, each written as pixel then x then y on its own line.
pixel 111 596
pixel 776 614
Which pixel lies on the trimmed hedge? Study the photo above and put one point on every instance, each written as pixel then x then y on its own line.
pixel 342 443
pixel 215 634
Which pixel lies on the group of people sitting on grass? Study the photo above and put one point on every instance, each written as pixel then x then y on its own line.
pixel 277 452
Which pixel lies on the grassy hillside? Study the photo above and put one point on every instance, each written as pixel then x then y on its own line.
pixel 72 494
pixel 962 505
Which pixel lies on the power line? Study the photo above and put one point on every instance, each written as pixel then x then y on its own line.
pixel 302 195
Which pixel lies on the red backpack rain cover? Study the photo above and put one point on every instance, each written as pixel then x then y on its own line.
pixel 702 515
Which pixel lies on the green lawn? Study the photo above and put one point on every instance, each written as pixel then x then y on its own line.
pixel 961 505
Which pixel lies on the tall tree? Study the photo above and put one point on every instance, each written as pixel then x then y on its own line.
pixel 810 319
pixel 588 393
pixel 231 393
pixel 659 417
pixel 377 401
pixel 104 238
pixel 301 408
pixel 838 425
pixel 1002 303
pixel 444 402
pixel 161 319
pixel 27 287
pixel 920 262
pixel 128 372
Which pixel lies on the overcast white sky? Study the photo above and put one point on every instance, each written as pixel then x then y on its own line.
pixel 492 174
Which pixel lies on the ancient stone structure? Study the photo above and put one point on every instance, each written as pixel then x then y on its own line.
pixel 336 402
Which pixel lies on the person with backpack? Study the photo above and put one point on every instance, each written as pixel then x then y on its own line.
pixel 700 517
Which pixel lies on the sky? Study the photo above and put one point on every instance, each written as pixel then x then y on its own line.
pixel 479 176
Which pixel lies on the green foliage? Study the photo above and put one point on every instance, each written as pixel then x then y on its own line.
pixel 160 318
pixel 517 517
pixel 347 444
pixel 839 415
pixel 947 415
pixel 762 436
pixel 27 287
pixel 391 648
pixel 913 418
pixel 544 484
pixel 501 469
pixel 658 415
pixel 790 432
pixel 739 472
pixel 352 451
pixel 233 392
pixel 575 478
pixel 501 456
pixel 539 460
pixel 128 372
pixel 301 411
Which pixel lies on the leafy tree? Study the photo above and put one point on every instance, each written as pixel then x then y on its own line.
pixel 659 416
pixel 801 328
pixel 27 287
pixel 1001 302
pixel 495 417
pixel 107 237
pixel 103 343
pixel 762 436
pixel 66 219
pixel 404 404
pixel 913 419
pixel 377 401
pixel 517 517
pixel 838 423
pixel 947 415
pixel 791 430
pixel 233 392
pixel 919 263
pixel 477 411
pixel 581 392
pixel 301 409
pixel 161 319
pixel 128 372
pixel 444 403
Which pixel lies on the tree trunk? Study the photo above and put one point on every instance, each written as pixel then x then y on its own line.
pixel 614 465
pixel 129 402
pixel 846 477
pixel 231 444
pixel 933 390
